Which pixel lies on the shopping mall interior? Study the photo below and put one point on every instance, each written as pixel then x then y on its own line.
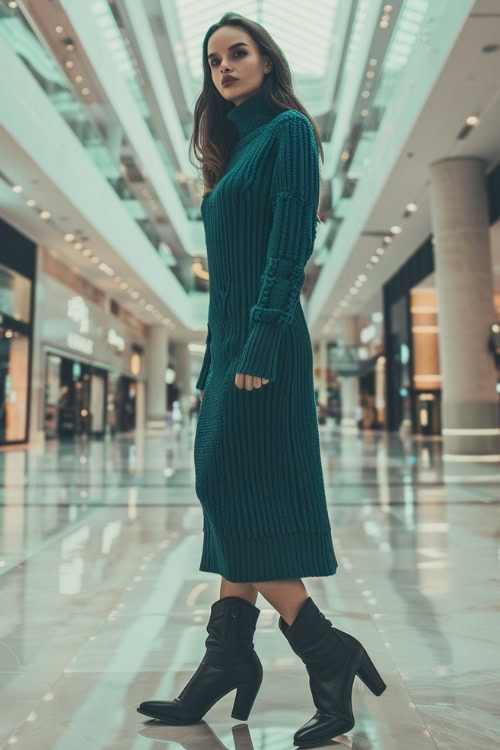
pixel 106 296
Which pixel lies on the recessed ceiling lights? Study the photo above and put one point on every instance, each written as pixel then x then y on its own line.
pixel 473 120
pixel 374 259
pixel 124 285
pixel 369 266
pixel 17 189
pixel 78 79
pixel 364 112
pixel 373 62
pixel 95 259
pixel 70 47
pixel 362 277
pixel 354 290
pixel 135 295
pixel 149 307
pixel 142 301
pixel 358 283
pixel 85 91
pixel 31 203
pixel 45 215
pixel 78 245
pixel 117 279
pixel 69 237
pixel 12 4
pixel 396 230
pixel 344 303
pixel 387 239
pixel 59 29
pixel 69 63
pixel 380 251
pixel 411 207
pixel 87 252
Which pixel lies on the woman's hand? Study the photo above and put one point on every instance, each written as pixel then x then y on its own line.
pixel 249 382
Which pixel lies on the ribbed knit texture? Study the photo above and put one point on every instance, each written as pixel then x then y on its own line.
pixel 257 453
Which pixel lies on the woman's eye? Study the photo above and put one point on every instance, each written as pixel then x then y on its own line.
pixel 214 59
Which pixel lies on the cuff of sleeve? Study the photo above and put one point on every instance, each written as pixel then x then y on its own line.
pixel 202 377
pixel 260 355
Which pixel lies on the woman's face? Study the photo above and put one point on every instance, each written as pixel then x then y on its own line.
pixel 231 51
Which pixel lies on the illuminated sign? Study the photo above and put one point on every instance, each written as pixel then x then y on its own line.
pixel 115 340
pixel 80 343
pixel 79 312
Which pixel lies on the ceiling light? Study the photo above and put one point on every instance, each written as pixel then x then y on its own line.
pixel 31 203
pixel 85 91
pixel 12 4
pixel 353 290
pixel 365 94
pixel 373 61
pixel 396 230
pixel 135 295
pixel 369 266
pixel 59 29
pixel 69 237
pixel 374 259
pixel 70 47
pixel 17 189
pixel 364 112
pixel 45 215
pixel 472 120
pixel 78 245
pixel 95 259
pixel 142 301
pixel 78 79
pixel 362 277
pixel 370 74
pixel 149 307
pixel 104 267
pixel 87 252
pixel 412 207
pixel 358 283
pixel 117 279
pixel 69 63
pixel 387 239
pixel 344 303
pixel 380 251
pixel 124 285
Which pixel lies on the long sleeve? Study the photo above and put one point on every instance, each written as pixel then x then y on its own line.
pixel 294 196
pixel 205 366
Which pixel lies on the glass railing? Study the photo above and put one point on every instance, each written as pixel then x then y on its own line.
pixel 17 32
pixel 409 26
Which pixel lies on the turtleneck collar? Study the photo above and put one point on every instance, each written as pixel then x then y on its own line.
pixel 250 114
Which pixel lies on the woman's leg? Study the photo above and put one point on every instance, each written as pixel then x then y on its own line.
pixel 285 596
pixel 243 590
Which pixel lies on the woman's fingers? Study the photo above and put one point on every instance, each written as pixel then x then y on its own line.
pixel 249 382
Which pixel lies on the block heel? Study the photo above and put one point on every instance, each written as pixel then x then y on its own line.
pixel 367 673
pixel 244 700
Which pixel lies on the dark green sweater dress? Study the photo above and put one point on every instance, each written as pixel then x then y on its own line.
pixel 258 471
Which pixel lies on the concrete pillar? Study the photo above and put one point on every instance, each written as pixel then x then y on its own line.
pixel 322 364
pixel 183 378
pixel 464 282
pixel 349 385
pixel 156 399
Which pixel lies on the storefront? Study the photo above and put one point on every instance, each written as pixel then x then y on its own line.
pixel 413 381
pixel 17 273
pixel 91 359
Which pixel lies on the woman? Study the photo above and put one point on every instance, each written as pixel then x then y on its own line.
pixel 256 451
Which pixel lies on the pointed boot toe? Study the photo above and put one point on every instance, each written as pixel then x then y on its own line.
pixel 332 659
pixel 230 663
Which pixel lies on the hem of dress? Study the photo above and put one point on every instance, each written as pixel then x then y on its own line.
pixel 300 554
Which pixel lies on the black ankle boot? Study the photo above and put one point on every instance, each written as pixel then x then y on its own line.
pixel 332 659
pixel 230 662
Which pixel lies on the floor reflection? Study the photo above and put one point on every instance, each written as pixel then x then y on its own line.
pixel 103 605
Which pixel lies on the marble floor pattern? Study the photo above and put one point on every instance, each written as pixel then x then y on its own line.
pixel 103 606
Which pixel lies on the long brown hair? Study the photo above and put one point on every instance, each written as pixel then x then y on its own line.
pixel 213 134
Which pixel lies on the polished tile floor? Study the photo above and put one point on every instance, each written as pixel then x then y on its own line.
pixel 102 604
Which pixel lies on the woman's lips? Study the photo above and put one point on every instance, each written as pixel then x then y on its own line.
pixel 229 81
